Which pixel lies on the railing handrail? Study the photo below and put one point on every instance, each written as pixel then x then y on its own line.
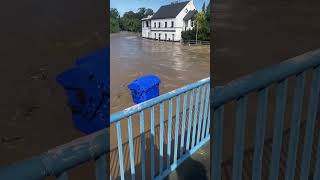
pixel 59 159
pixel 265 77
pixel 139 107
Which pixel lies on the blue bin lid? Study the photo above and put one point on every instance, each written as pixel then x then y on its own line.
pixel 144 83
pixel 97 64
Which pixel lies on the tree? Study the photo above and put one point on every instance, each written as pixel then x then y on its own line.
pixel 204 7
pixel 131 21
pixel 202 23
pixel 114 20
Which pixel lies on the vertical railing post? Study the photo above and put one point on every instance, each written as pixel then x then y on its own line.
pixel 217 143
pixel 183 122
pixel 101 168
pixel 312 113
pixel 195 118
pixel 169 134
pixel 239 139
pixel 260 131
pixel 161 136
pixel 152 142
pixel 295 126
pixel 143 159
pixel 175 156
pixel 120 153
pixel 278 127
pixel 131 147
pixel 189 120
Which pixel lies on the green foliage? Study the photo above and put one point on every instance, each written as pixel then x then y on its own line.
pixel 189 35
pixel 202 24
pixel 130 21
pixel 114 20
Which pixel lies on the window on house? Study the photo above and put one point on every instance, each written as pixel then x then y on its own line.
pixel 172 23
pixel 155 35
pixel 165 36
pixel 155 24
pixel 159 25
pixel 165 24
pixel 147 23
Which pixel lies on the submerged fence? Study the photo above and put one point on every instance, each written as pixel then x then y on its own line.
pixel 186 131
pixel 196 42
pixel 260 83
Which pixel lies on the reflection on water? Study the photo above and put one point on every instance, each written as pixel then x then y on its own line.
pixel 131 57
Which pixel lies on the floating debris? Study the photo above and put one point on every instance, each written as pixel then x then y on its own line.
pixel 10 139
pixel 40 75
pixel 31 110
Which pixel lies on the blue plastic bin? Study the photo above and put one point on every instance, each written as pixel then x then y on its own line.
pixel 144 88
pixel 87 88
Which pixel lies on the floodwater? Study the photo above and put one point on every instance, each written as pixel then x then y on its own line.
pixel 177 65
pixel 39 40
pixel 132 56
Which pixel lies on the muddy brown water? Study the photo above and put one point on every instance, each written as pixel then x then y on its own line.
pixel 251 35
pixel 177 65
pixel 132 56
pixel 40 39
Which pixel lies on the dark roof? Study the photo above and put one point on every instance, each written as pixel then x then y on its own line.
pixel 169 11
pixel 189 15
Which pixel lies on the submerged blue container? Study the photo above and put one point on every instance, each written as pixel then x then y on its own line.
pixel 87 88
pixel 144 88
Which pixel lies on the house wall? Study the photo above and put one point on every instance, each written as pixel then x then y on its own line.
pixel 169 31
pixel 190 6
pixel 145 30
pixel 162 30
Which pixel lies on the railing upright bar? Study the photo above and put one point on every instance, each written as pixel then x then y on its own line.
pixel 143 156
pixel 118 125
pixel 208 126
pixel 101 167
pixel 169 134
pixel 316 174
pixel 295 126
pixel 183 122
pixel 152 143
pixel 131 148
pixel 205 120
pixel 260 132
pixel 312 113
pixel 239 138
pixel 278 128
pixel 62 176
pixel 217 143
pixel 175 157
pixel 201 114
pixel 189 119
pixel 195 118
pixel 161 136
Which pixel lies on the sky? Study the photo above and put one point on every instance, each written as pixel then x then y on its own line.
pixel 133 5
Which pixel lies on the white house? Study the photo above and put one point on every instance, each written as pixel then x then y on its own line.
pixel 169 21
